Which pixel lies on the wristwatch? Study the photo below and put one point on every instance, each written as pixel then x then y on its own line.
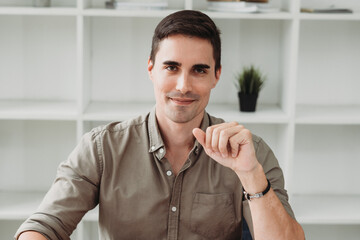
pixel 248 196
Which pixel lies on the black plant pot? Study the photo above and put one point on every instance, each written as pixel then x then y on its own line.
pixel 247 102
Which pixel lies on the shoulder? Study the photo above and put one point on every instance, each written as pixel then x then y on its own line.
pixel 120 127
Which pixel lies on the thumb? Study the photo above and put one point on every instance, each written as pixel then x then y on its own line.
pixel 199 135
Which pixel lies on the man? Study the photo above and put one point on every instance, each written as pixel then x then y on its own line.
pixel 177 172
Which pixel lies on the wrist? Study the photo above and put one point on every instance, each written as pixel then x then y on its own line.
pixel 249 196
pixel 253 181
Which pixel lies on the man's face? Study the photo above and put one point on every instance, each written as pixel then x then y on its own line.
pixel 183 76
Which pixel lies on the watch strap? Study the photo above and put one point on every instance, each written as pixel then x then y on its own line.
pixel 249 197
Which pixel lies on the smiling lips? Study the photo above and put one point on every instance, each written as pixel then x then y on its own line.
pixel 182 101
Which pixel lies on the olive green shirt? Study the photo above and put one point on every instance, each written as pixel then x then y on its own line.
pixel 122 168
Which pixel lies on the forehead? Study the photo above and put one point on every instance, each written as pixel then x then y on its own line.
pixel 185 49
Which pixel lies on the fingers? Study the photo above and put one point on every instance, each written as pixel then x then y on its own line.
pixel 217 133
pixel 199 135
pixel 209 132
pixel 226 145
pixel 224 139
pixel 242 138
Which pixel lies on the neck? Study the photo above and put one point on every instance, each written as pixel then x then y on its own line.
pixel 178 135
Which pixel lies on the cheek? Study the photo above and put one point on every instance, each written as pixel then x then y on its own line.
pixel 203 88
pixel 161 87
pixel 166 83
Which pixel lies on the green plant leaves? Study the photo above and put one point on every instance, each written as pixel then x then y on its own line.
pixel 250 80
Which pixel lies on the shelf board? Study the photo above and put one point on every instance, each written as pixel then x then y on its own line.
pixel 38 110
pixel 326 209
pixel 162 13
pixel 19 205
pixel 264 113
pixel 50 11
pixel 109 111
pixel 234 15
pixel 317 114
pixel 103 12
pixel 115 111
pixel 329 16
pixel 73 11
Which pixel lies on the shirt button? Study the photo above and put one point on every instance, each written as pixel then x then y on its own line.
pixel 161 150
pixel 169 173
pixel 173 209
pixel 152 148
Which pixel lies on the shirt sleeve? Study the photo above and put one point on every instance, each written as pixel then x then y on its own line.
pixel 275 175
pixel 72 194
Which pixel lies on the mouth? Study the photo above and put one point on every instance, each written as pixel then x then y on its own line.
pixel 182 101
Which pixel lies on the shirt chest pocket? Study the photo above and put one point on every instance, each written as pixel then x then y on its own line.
pixel 213 215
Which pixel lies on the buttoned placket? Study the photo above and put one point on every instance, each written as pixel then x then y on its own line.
pixel 175 182
pixel 174 208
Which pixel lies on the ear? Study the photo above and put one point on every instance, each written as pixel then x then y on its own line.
pixel 217 76
pixel 150 68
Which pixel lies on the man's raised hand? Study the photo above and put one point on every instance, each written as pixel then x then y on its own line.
pixel 230 144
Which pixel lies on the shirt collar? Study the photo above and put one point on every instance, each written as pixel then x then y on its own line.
pixel 155 138
pixel 156 142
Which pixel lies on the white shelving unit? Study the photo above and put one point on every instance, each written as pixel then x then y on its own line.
pixel 76 65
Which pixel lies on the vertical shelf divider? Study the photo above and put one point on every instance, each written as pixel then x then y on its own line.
pixel 189 4
pixel 80 5
pixel 79 72
pixel 294 52
pixel 80 229
pixel 289 75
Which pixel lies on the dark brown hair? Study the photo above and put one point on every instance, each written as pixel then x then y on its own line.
pixel 189 23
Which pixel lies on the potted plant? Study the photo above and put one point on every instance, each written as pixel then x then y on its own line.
pixel 249 83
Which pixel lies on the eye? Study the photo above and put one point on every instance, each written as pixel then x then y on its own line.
pixel 200 70
pixel 171 68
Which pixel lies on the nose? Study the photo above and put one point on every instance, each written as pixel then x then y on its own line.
pixel 183 84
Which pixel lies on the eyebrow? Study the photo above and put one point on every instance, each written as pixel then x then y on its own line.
pixel 172 63
pixel 201 66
